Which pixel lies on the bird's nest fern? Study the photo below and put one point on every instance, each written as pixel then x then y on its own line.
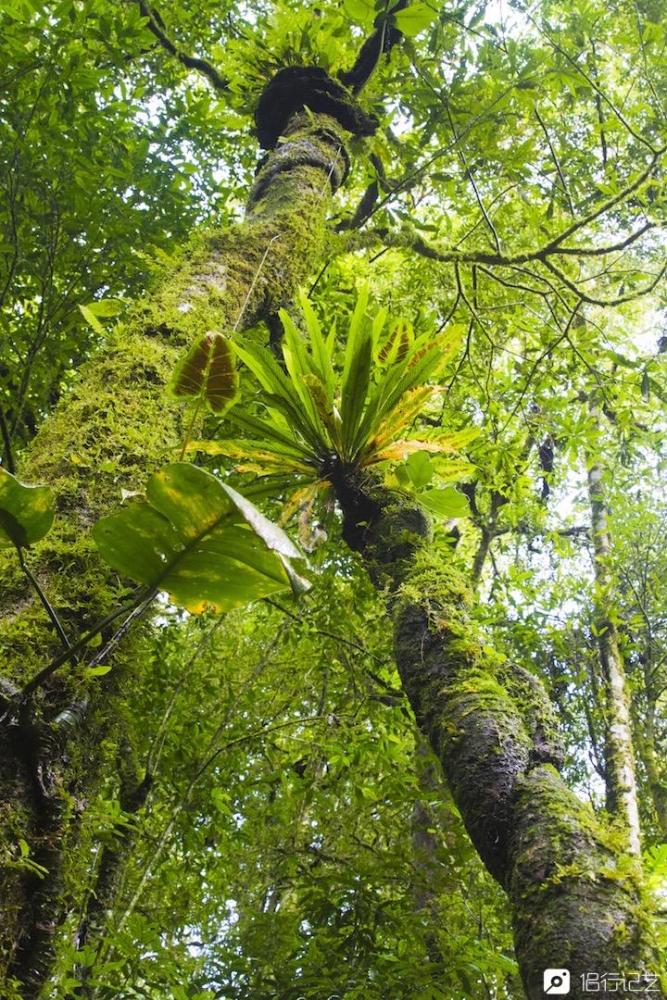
pixel 335 409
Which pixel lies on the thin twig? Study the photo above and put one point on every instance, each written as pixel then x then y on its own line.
pixel 122 630
pixel 69 654
pixel 549 349
pixel 46 604
pixel 8 458
pixel 254 282
pixel 324 632
pixel 619 300
pixel 555 159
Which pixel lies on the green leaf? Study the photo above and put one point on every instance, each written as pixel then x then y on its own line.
pixel 280 391
pixel 322 358
pixel 445 503
pixel 26 512
pixel 356 372
pixel 100 671
pixel 91 318
pixel 420 469
pixel 268 431
pixel 298 363
pixel 361 11
pixel 200 540
pixel 415 18
pixel 105 307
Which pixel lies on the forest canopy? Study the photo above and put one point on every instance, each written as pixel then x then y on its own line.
pixel 333 575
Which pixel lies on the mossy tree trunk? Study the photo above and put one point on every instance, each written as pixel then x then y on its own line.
pixel 575 896
pixel 654 762
pixel 107 434
pixel 619 752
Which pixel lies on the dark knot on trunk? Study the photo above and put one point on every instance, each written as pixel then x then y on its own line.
pixel 297 87
pixel 385 526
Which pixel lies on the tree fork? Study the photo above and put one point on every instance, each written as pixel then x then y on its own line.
pixel 574 902
pixel 106 435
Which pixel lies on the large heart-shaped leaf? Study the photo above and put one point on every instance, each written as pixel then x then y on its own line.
pixel 199 540
pixel 26 512
pixel 207 371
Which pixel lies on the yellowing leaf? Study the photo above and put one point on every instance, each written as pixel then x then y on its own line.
pixel 447 343
pixel 207 371
pixel 222 381
pixel 255 451
pixel 407 409
pixel 302 497
pixel 400 450
pixel 397 343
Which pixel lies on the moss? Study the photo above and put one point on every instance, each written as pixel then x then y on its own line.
pixel 576 900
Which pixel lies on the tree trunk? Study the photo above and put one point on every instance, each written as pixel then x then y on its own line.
pixel 494 730
pixel 108 434
pixel 429 831
pixel 619 753
pixel 653 761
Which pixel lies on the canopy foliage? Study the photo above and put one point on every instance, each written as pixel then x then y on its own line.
pixel 508 211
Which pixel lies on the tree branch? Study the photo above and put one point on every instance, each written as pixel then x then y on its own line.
pixel 46 604
pixel 382 40
pixel 157 27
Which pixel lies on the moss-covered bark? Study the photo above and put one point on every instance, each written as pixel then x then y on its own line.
pixel 619 755
pixel 109 432
pixel 575 896
pixel 654 763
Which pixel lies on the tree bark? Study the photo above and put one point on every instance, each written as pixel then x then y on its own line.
pixel 655 773
pixel 494 730
pixel 109 433
pixel 619 752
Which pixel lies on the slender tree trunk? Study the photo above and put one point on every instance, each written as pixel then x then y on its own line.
pixel 494 730
pixel 619 753
pixel 108 433
pixel 428 834
pixel 654 762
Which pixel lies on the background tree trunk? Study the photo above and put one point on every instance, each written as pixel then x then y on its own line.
pixel 619 754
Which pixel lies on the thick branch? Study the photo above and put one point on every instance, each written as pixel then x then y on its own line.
pixel 157 27
pixel 117 412
pixel 382 40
